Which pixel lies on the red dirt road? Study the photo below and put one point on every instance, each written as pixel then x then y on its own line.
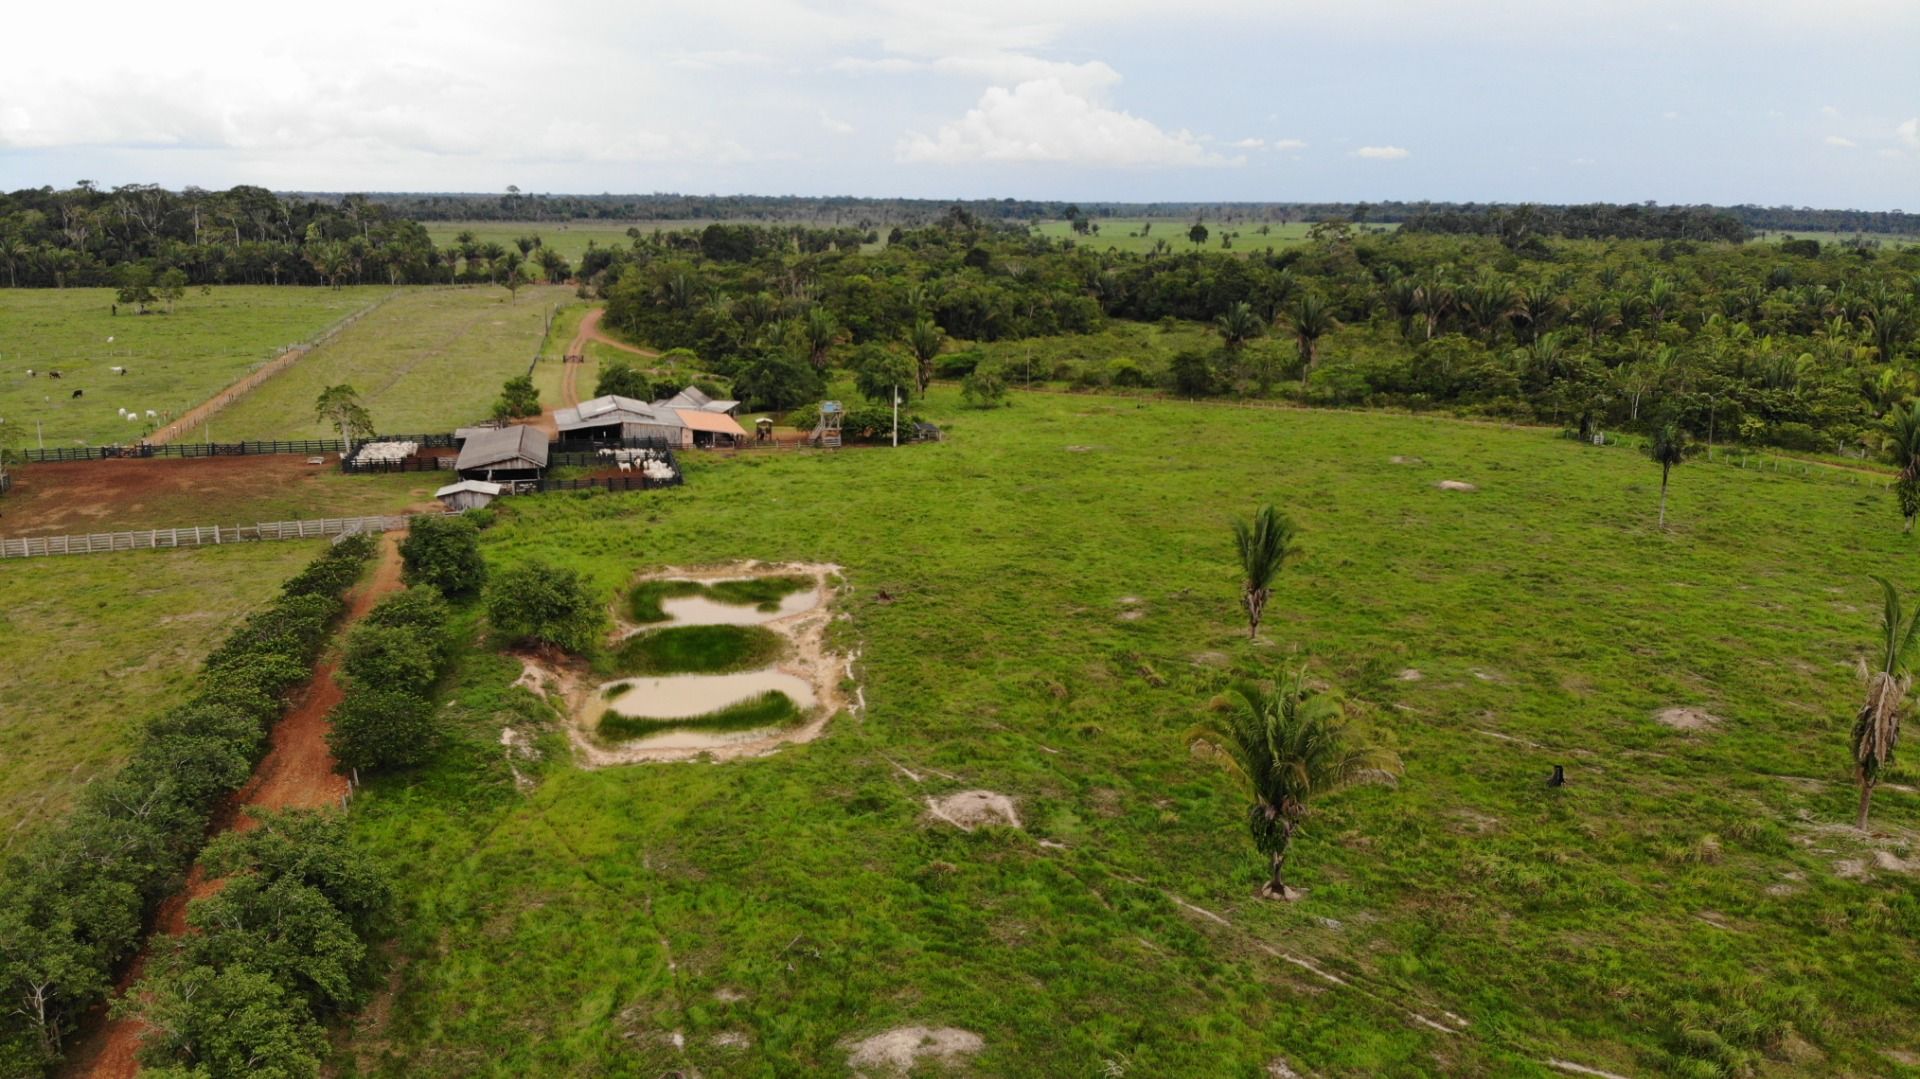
pixel 590 331
pixel 297 772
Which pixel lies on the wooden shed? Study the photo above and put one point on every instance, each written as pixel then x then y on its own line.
pixel 469 494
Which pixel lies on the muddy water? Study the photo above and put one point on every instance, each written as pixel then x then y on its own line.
pixel 682 695
pixel 701 611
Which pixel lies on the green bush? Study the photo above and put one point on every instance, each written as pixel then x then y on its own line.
pixel 956 364
pixel 541 604
pixel 986 387
pixel 377 727
pixel 444 551
pixel 390 658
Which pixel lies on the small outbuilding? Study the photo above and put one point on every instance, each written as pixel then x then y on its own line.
pixel 507 453
pixel 711 428
pixel 694 398
pixel 614 419
pixel 469 494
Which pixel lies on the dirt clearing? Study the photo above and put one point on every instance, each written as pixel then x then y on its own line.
pixel 902 1048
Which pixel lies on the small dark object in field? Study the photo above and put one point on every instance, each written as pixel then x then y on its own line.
pixel 884 596
pixel 76 393
pixel 53 374
pixel 1559 776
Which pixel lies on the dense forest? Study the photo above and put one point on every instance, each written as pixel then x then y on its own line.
pixel 1806 346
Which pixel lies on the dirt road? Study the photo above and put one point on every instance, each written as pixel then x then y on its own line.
pixel 297 772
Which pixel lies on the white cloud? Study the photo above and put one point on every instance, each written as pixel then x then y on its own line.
pixel 1043 120
pixel 1909 132
pixel 1249 144
pixel 1581 162
pixel 1382 153
pixel 838 127
pixel 713 59
pixel 1670 115
pixel 1892 152
pixel 1288 144
pixel 1829 110
pixel 1842 143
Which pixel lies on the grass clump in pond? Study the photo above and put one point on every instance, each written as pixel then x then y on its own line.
pixel 698 650
pixel 644 603
pixel 761 593
pixel 770 709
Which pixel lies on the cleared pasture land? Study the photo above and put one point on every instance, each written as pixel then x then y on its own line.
pixel 1060 606
pixel 430 360
pixel 1140 234
pixel 173 361
pixel 95 644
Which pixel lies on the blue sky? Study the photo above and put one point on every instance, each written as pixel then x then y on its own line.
pixel 1766 101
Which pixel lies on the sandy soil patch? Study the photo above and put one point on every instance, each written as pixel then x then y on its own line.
pixel 807 659
pixel 968 810
pixel 1456 485
pixel 1410 675
pixel 1686 719
pixel 1400 459
pixel 901 1048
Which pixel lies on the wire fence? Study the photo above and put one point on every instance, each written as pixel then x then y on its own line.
pixel 203 536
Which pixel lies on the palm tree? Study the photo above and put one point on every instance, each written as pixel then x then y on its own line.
pixel 1667 448
pixel 1901 442
pixel 1285 745
pixel 1876 728
pixel 1311 319
pixel 1237 325
pixel 1891 323
pixel 820 330
pixel 1265 544
pixel 924 339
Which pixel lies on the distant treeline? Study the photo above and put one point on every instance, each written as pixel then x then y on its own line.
pixel 1524 225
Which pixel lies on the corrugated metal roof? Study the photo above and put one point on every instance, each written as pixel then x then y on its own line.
pixel 612 409
pixel 524 447
pixel 717 423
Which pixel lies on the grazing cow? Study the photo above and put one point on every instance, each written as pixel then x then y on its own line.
pixel 30 373
pixel 78 393
pixel 152 415
pixel 603 453
pixel 626 466
pixel 53 374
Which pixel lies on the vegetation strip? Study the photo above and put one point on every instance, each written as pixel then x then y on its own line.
pixel 770 709
pixel 698 650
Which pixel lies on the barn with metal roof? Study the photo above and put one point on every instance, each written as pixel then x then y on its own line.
pixel 506 453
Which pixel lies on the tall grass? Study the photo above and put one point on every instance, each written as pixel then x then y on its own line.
pixel 770 709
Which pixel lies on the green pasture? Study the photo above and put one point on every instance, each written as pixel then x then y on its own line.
pixel 431 360
pixel 1059 606
pixel 1140 235
pixel 96 644
pixel 173 361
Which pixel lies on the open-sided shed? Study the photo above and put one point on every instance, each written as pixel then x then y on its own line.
pixel 613 419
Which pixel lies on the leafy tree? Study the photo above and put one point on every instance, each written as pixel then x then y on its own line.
pixel 1668 446
pixel 376 728
pixel 1237 325
pixel 1265 545
pixel 771 379
pixel 339 407
pixel 1310 319
pixel 209 1023
pixel 1284 745
pixel 518 398
pixel 1193 373
pixel 541 604
pixel 172 285
pixel 136 286
pixel 1876 727
pixel 443 552
pixel 1900 441
pixel 1197 235
pixel 925 339
pixel 984 387
pixel 819 331
pixel 880 372
pixel 395 657
pixel 622 378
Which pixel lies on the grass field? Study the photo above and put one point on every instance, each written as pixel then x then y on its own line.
pixel 173 361
pixel 95 644
pixel 1061 606
pixel 1140 234
pixel 431 360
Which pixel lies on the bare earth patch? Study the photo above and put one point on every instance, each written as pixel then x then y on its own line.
pixel 1410 675
pixel 1456 485
pixel 1402 460
pixel 968 810
pixel 901 1048
pixel 1686 719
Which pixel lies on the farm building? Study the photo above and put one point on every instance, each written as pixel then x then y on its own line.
pixel 693 398
pixel 507 453
pixel 613 419
pixel 711 428
pixel 469 494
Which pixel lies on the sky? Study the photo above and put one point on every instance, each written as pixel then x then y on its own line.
pixel 1723 101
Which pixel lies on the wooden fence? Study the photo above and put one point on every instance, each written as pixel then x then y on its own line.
pixel 210 535
pixel 302 446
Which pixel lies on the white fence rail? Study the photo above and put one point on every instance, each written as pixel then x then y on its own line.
pixel 207 536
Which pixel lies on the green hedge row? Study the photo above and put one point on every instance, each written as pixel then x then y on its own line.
pixel 394 656
pixel 74 901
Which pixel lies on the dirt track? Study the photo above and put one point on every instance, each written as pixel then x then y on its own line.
pixel 590 331
pixel 297 772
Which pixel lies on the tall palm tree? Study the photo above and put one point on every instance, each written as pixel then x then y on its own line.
pixel 1310 318
pixel 924 339
pixel 1891 323
pixel 820 330
pixel 1876 728
pixel 1285 744
pixel 1901 442
pixel 1667 448
pixel 1265 545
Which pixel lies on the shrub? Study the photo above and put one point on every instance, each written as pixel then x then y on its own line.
pixel 1192 374
pixel 986 387
pixel 956 364
pixel 1124 372
pixel 391 658
pixel 699 650
pixel 444 552
pixel 540 604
